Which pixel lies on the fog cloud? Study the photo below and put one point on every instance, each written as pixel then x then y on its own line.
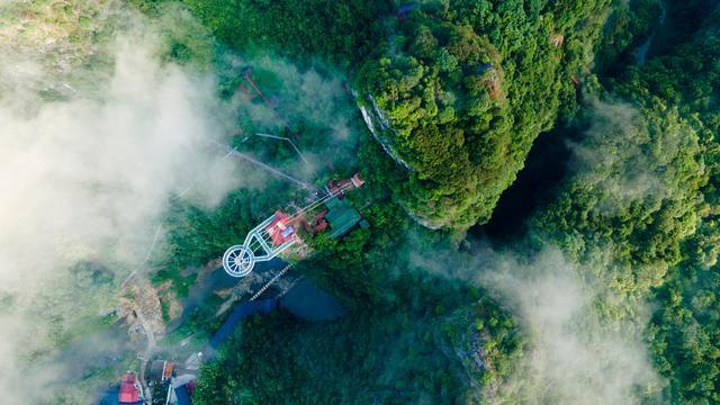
pixel 576 356
pixel 85 176
pixel 585 339
pixel 623 155
pixel 309 106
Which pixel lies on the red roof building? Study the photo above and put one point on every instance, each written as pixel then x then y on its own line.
pixel 129 393
pixel 279 229
pixel 321 225
pixel 337 188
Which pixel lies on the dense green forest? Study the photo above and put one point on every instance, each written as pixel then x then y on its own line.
pixel 475 82
pixel 459 92
pixel 684 333
pixel 601 288
pixel 466 89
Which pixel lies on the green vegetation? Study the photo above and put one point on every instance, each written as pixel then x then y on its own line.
pixel 474 83
pixel 340 31
pixel 458 93
pixel 466 89
pixel 454 95
pixel 662 236
pixel 386 348
pixel 638 177
pixel 684 332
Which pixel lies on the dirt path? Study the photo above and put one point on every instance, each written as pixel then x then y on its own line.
pixel 147 312
pixel 149 350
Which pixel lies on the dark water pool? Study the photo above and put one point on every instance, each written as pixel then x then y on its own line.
pixel 308 302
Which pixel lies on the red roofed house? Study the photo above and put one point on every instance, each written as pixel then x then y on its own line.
pixel 129 393
pixel 279 229
pixel 337 188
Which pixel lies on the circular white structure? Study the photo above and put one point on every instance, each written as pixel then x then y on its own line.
pixel 238 261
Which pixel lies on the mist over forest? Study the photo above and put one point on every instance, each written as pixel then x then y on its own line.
pixel 476 201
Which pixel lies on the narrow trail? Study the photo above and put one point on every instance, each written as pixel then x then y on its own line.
pixel 148 313
pixel 149 350
pixel 145 309
pixel 132 274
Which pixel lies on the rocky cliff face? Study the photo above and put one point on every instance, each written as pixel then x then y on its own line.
pixel 377 123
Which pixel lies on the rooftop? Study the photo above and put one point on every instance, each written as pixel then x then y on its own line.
pixel 129 393
pixel 342 216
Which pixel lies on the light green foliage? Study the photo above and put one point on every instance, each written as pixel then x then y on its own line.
pixel 466 89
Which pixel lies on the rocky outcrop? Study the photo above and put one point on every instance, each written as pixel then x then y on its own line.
pixel 378 124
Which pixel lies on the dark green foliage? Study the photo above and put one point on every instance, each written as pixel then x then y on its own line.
pixel 389 355
pixel 464 89
pixel 662 242
pixel 298 28
pixel 397 342
pixel 684 332
pixel 637 181
pixel 628 27
pixel 197 235
pixel 396 345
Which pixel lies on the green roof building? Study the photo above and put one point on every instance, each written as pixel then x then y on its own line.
pixel 341 216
